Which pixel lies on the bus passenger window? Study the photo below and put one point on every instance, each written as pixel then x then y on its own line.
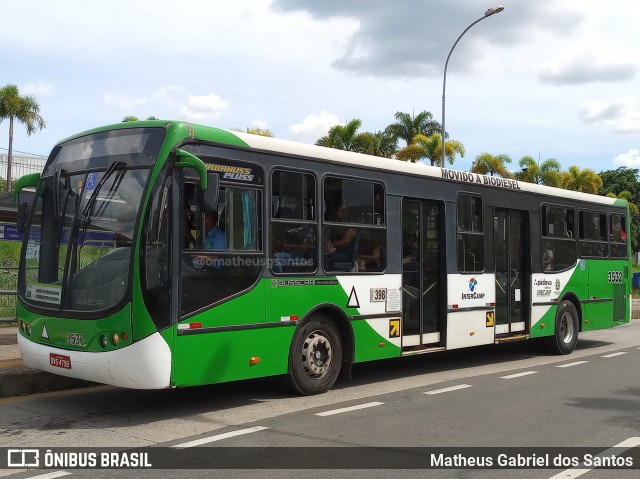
pixel 470 237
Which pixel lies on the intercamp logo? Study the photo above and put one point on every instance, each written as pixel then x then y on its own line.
pixel 473 294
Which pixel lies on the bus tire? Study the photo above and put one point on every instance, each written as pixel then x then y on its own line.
pixel 565 337
pixel 315 356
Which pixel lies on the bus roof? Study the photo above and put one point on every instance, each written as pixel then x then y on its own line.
pixel 287 147
pixel 382 163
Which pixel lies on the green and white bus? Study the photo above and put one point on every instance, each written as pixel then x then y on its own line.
pixel 233 256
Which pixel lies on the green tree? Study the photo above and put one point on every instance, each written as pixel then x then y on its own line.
pixel 343 137
pixel 407 126
pixel 129 118
pixel 256 131
pixel 619 180
pixel 548 173
pixel 380 143
pixel 493 165
pixel 623 183
pixel 430 148
pixel 25 110
pixel 586 181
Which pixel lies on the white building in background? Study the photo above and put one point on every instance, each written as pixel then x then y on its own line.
pixel 21 164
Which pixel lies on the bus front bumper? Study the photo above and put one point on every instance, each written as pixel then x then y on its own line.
pixel 146 364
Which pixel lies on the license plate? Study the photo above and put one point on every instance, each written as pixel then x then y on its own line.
pixel 59 361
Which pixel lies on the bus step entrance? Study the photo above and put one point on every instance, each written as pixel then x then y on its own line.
pixel 413 350
pixel 511 338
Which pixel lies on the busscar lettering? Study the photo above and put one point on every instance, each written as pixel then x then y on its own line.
pixel 480 179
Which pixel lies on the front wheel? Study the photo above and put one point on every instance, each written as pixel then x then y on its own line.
pixel 315 356
pixel 566 334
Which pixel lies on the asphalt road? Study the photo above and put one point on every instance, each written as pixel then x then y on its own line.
pixel 500 396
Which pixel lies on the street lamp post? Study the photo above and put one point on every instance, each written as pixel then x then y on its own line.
pixel 488 13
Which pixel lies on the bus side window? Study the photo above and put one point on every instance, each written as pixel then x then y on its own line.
pixel 470 236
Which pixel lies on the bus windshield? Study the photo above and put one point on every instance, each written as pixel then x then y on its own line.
pixel 78 244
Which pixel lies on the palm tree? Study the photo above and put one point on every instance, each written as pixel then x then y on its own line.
pixel 487 163
pixel 24 109
pixel 343 137
pixel 548 173
pixel 587 180
pixel 430 148
pixel 408 126
pixel 380 143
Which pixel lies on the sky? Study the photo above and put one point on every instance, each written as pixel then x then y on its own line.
pixel 547 79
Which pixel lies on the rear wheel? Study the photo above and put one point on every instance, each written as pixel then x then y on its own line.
pixel 566 334
pixel 315 356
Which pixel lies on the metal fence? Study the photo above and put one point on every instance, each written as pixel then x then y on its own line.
pixel 20 165
pixel 8 292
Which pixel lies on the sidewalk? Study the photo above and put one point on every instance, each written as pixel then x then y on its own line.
pixel 16 379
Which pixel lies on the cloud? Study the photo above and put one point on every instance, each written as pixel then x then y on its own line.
pixel 258 123
pixel 411 39
pixel 313 126
pixel 630 159
pixel 168 101
pixel 619 115
pixel 122 101
pixel 587 70
pixel 40 87
pixel 204 107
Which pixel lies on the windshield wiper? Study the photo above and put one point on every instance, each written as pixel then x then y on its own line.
pixel 88 209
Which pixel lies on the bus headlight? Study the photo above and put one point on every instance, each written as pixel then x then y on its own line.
pixel 29 329
pixel 115 339
pixel 103 341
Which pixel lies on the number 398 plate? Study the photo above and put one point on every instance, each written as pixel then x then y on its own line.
pixel 378 295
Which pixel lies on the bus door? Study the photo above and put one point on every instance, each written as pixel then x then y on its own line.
pixel 511 278
pixel 421 272
pixel 222 299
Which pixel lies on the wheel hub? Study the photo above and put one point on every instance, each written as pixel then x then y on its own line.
pixel 316 355
pixel 566 328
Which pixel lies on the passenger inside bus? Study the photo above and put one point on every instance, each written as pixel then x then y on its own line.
pixel 299 244
pixel 340 249
pixel 409 251
pixel 548 262
pixel 214 238
pixel 371 258
pixel 189 238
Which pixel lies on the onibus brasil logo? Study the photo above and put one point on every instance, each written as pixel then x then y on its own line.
pixel 473 294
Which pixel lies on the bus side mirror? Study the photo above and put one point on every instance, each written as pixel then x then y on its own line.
pixel 23 214
pixel 210 195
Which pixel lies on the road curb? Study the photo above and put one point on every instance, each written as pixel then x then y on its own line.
pixel 20 381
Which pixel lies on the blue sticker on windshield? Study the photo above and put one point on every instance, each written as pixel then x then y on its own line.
pixel 91 181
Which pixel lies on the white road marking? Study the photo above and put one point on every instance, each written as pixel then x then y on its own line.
pixel 613 355
pixel 347 409
pixel 568 365
pixel 519 375
pixel 219 437
pixel 446 390
pixel 615 450
pixel 51 475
